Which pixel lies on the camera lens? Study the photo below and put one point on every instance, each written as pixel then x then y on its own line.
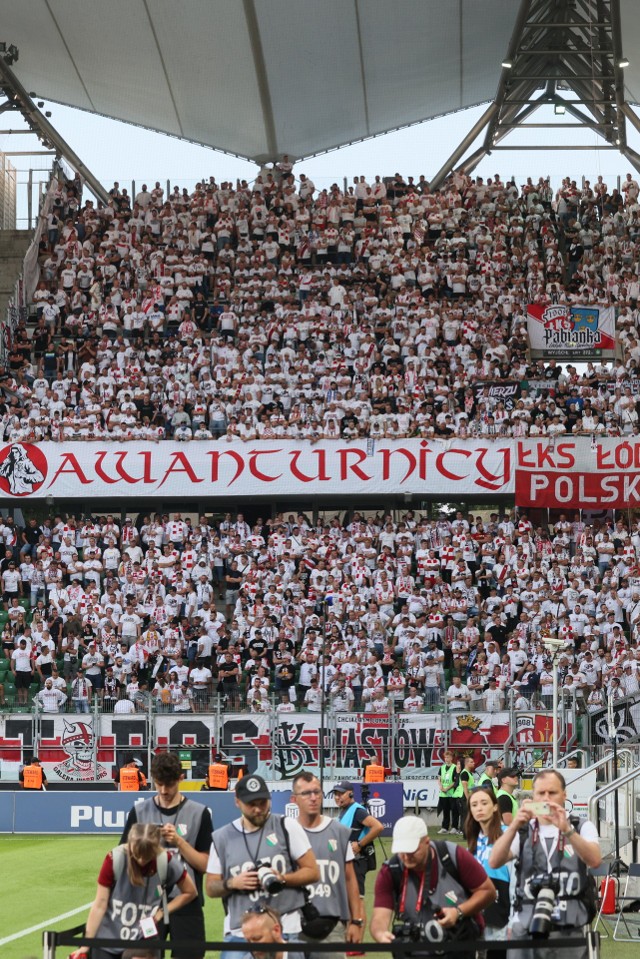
pixel 540 924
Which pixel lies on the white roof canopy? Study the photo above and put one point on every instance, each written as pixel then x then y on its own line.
pixel 258 78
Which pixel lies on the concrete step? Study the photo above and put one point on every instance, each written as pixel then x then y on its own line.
pixel 15 242
pixel 13 246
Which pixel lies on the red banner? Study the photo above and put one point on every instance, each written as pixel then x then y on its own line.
pixel 555 490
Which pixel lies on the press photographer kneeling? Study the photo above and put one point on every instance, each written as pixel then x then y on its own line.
pixel 555 895
pixel 433 891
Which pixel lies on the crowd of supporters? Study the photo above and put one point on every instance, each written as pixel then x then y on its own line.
pixel 370 613
pixel 275 309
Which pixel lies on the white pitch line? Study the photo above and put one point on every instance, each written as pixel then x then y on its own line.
pixel 44 925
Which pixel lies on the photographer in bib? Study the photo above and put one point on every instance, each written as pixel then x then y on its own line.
pixel 185 829
pixel 555 894
pixel 429 891
pixel 336 896
pixel 260 860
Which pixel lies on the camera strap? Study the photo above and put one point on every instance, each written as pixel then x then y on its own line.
pixel 253 857
pixel 403 894
pixel 399 874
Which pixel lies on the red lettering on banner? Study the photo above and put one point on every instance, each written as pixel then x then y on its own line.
pixel 424 452
pixel 623 456
pixel 543 454
pixel 185 467
pixel 525 456
pixel 386 461
pixel 603 458
pixel 494 481
pixel 253 465
pixel 322 463
pixel 354 467
pixel 146 476
pixel 441 468
pixel 101 473
pixel 216 456
pixel 122 473
pixel 545 457
pixel 74 468
pixel 566 455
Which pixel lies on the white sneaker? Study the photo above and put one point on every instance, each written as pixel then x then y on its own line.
pixel 442 832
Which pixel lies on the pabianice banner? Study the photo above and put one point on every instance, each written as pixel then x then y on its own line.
pixel 573 333
pixel 566 472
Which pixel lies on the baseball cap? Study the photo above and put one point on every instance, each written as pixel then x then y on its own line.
pixel 342 787
pixel 407 834
pixel 250 788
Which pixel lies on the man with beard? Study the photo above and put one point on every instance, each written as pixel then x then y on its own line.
pixel 254 852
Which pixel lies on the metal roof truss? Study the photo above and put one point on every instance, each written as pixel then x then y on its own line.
pixel 562 53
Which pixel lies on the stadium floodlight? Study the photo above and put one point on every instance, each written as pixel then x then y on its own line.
pixel 623 63
pixel 559 109
pixel 507 64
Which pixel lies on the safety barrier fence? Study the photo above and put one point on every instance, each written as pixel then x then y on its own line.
pixel 399 948
pixel 90 746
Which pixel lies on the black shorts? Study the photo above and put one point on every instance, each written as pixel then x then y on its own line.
pixel 188 923
pixel 23 679
pixel 361 868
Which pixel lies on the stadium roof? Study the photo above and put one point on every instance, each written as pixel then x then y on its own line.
pixel 259 78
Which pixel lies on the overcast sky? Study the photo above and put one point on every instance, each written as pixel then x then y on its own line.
pixel 119 151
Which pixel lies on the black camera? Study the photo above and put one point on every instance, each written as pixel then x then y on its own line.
pixel 267 878
pixel 407 931
pixel 545 888
pixel 430 931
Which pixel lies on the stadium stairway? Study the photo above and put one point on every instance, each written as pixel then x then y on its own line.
pixel 13 246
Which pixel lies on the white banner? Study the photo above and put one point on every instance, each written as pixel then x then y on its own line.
pixel 567 472
pixel 236 469
pixel 572 332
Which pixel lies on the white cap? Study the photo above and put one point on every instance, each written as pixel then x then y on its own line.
pixel 407 834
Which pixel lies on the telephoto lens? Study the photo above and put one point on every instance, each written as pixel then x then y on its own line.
pixel 540 925
pixel 267 878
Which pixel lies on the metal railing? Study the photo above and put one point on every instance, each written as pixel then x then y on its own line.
pixel 280 744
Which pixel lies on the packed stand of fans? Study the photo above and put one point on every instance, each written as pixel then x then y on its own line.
pixel 275 309
pixel 372 614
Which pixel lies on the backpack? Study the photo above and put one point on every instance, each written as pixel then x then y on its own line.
pixel 119 855
pixel 589 895
pixel 469 926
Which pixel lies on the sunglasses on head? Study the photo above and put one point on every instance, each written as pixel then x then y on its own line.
pixel 265 911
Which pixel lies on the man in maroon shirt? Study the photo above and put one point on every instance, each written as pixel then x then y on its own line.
pixel 415 887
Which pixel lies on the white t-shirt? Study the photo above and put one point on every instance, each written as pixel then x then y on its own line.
pixel 298 844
